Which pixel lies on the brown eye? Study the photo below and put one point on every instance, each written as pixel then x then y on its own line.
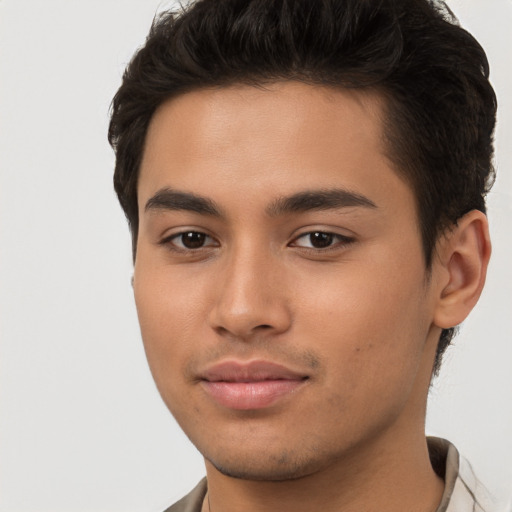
pixel 193 240
pixel 321 240
pixel 190 240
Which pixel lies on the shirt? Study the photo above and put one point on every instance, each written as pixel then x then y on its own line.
pixel 462 490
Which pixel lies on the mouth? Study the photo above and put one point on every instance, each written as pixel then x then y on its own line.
pixel 250 386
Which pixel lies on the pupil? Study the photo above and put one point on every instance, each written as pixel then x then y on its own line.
pixel 193 240
pixel 320 240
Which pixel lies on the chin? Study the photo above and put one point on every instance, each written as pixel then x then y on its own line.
pixel 274 468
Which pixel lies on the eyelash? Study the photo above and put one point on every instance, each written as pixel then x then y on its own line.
pixel 169 241
pixel 340 241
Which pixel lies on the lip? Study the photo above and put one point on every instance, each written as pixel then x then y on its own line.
pixel 250 385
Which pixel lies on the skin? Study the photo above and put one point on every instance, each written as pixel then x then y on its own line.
pixel 360 318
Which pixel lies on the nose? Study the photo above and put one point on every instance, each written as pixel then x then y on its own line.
pixel 250 298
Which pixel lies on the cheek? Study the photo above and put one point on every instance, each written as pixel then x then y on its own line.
pixel 168 312
pixel 371 343
pixel 369 323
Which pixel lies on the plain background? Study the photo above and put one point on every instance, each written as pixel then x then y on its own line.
pixel 82 426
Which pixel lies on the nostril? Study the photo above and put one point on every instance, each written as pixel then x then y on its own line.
pixel 243 318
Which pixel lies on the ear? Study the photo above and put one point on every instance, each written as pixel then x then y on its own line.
pixel 463 255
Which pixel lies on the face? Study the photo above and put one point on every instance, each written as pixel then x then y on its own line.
pixel 279 279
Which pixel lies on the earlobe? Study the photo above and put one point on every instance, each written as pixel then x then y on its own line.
pixel 463 254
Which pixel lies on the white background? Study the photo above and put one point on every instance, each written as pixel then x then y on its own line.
pixel 82 426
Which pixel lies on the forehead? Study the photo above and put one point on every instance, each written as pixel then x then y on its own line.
pixel 204 117
pixel 287 134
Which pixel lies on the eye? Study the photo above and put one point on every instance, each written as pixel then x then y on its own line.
pixel 190 240
pixel 321 240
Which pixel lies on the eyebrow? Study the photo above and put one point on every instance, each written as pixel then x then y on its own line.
pixel 324 199
pixel 168 199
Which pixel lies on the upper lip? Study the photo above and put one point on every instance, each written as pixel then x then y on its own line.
pixel 252 371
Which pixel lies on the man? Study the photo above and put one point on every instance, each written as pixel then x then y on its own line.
pixel 305 182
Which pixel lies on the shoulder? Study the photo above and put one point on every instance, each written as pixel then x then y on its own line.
pixel 468 485
pixel 192 502
pixel 463 491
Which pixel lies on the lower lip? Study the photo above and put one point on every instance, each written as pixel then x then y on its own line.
pixel 250 395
